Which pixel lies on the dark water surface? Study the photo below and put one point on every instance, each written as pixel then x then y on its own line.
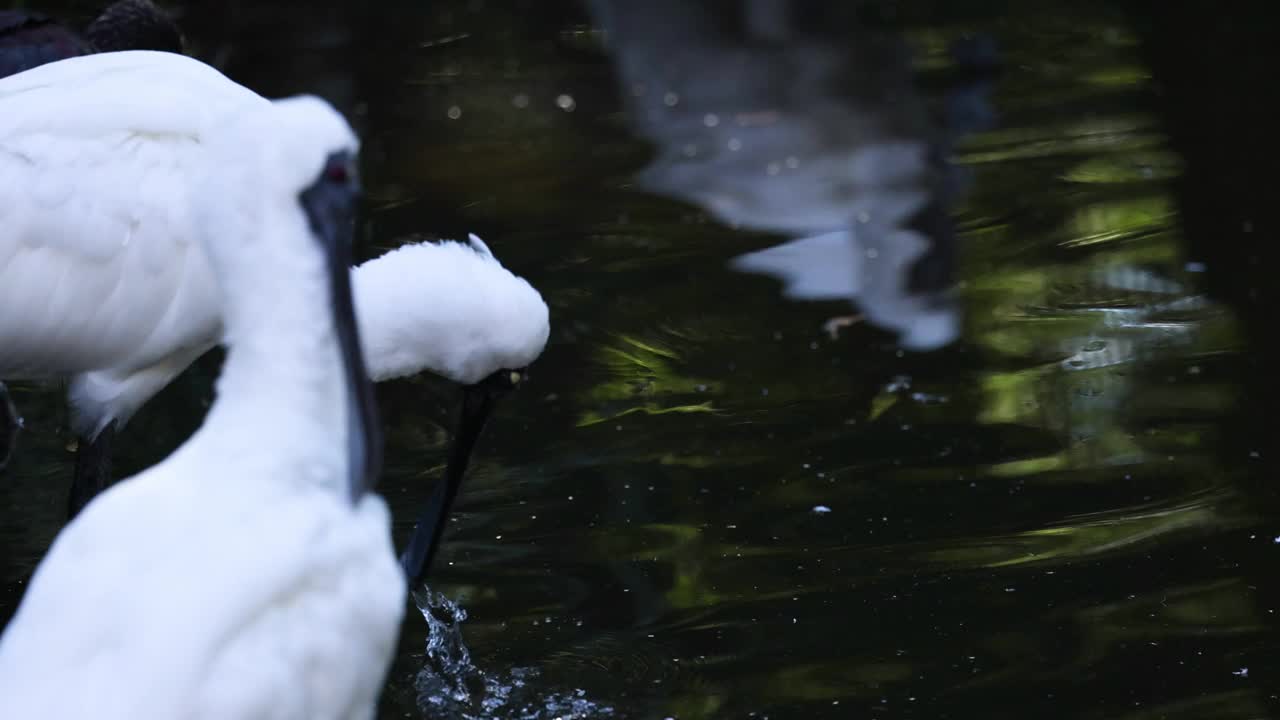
pixel 704 505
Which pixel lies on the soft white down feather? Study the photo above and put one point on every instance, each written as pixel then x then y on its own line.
pixel 237 578
pixel 101 279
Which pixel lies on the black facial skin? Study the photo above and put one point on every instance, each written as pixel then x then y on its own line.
pixel 330 205
pixel 478 401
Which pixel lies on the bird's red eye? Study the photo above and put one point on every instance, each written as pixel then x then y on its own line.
pixel 337 173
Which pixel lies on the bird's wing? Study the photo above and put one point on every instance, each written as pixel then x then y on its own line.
pixel 99 263
pixel 184 597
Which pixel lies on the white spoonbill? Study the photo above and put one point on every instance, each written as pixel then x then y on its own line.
pixel 251 573
pixel 102 282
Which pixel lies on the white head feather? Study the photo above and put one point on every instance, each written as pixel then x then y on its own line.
pixel 446 307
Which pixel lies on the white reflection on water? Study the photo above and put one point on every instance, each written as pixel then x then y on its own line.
pixel 771 125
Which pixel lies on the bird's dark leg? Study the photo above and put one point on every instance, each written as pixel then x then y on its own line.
pixel 93 470
pixel 425 540
pixel 478 401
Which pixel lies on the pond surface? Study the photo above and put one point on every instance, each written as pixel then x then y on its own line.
pixel 706 503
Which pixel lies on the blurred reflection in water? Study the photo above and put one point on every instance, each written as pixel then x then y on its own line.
pixel 772 124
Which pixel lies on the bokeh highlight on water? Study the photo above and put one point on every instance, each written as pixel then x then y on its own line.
pixel 706 505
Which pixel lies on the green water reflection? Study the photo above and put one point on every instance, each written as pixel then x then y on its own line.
pixel 703 506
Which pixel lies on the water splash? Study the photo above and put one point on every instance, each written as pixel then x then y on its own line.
pixel 450 684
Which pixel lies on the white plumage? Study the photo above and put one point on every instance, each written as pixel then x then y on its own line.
pixel 99 268
pixel 237 578
pixel 444 307
pixel 449 308
pixel 100 277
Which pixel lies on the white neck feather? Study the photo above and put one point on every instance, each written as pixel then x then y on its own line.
pixel 282 388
